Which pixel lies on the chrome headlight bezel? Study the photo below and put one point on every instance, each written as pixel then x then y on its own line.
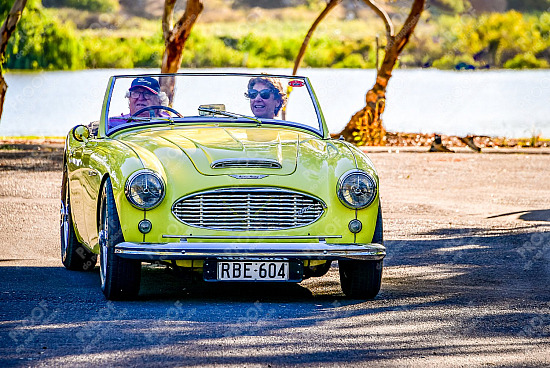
pixel 132 180
pixel 371 182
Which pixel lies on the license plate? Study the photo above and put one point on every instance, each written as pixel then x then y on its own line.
pixel 252 271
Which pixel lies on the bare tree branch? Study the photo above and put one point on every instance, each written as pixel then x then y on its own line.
pixel 365 127
pixel 182 29
pixel 410 24
pixel 167 18
pixel 174 40
pixel 396 44
pixel 9 25
pixel 5 33
pixel 330 5
pixel 390 32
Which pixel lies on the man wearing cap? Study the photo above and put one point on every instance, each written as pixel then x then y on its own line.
pixel 143 92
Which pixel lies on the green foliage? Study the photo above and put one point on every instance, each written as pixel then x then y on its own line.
pixel 129 52
pixel 508 40
pixel 6 5
pixel 208 51
pixel 525 61
pixel 494 39
pixel 42 42
pixel 450 61
pixel 103 6
pixel 454 6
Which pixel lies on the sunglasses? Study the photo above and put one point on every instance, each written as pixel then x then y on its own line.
pixel 264 93
pixel 146 95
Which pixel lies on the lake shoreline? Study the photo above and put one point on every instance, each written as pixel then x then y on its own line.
pixel 18 149
pixel 482 103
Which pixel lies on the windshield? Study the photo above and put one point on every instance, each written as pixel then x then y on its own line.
pixel 212 98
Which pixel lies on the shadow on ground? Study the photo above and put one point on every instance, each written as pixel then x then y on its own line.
pixel 466 283
pixel 31 157
pixel 531 215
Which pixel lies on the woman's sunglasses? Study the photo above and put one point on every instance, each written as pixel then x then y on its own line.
pixel 264 93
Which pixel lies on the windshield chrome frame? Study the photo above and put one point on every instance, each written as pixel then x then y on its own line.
pixel 320 118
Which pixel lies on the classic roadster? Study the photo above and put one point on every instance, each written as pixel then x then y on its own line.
pixel 229 177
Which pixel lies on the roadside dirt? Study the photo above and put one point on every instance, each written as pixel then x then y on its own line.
pixel 465 280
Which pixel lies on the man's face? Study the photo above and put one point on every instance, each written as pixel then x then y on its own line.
pixel 144 98
pixel 263 107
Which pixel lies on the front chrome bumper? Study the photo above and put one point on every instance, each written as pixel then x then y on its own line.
pixel 205 250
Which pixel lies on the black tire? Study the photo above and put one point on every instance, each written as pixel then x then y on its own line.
pixel 120 278
pixel 74 255
pixel 360 279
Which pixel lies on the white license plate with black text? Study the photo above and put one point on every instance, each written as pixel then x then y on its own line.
pixel 252 271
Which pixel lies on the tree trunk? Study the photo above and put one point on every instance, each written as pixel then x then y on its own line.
pixel 365 127
pixel 5 33
pixel 174 40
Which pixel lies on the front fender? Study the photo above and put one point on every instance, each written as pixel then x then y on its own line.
pixel 113 159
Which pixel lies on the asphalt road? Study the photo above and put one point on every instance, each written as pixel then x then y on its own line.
pixel 466 282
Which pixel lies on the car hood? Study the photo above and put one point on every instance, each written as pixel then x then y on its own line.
pixel 222 150
pixel 249 151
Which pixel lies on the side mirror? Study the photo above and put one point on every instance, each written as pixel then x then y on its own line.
pixel 81 133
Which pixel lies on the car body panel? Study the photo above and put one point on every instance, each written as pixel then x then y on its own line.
pixel 204 146
pixel 184 154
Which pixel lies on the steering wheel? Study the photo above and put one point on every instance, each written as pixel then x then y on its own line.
pixel 156 107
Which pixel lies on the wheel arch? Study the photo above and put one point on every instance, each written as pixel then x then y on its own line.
pixel 99 197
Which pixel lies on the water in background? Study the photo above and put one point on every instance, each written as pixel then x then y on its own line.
pixel 495 103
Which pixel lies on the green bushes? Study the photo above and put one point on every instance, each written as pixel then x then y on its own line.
pixel 496 40
pixel 90 5
pixel 42 42
pixel 525 61
pixel 507 40
pixel 102 51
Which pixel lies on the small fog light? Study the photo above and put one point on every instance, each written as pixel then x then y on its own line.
pixel 355 226
pixel 145 226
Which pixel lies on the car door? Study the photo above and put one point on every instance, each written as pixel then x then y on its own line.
pixel 76 171
pixel 90 181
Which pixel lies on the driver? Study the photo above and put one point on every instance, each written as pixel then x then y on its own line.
pixel 266 97
pixel 143 92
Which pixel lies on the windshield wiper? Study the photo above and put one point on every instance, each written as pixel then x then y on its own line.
pixel 155 118
pixel 229 114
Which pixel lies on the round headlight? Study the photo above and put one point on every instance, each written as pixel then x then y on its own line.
pixel 145 189
pixel 356 189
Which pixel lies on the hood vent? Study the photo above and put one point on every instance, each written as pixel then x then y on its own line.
pixel 252 163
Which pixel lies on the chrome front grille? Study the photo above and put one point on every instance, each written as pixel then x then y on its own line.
pixel 253 163
pixel 240 209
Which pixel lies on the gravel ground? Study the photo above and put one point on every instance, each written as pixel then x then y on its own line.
pixel 465 281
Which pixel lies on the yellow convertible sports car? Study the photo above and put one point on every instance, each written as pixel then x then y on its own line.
pixel 231 177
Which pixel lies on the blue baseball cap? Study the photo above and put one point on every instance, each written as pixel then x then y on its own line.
pixel 148 83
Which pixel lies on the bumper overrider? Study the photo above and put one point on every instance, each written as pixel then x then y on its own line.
pixel 262 247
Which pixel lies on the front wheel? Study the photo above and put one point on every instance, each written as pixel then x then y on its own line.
pixel 120 278
pixel 360 279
